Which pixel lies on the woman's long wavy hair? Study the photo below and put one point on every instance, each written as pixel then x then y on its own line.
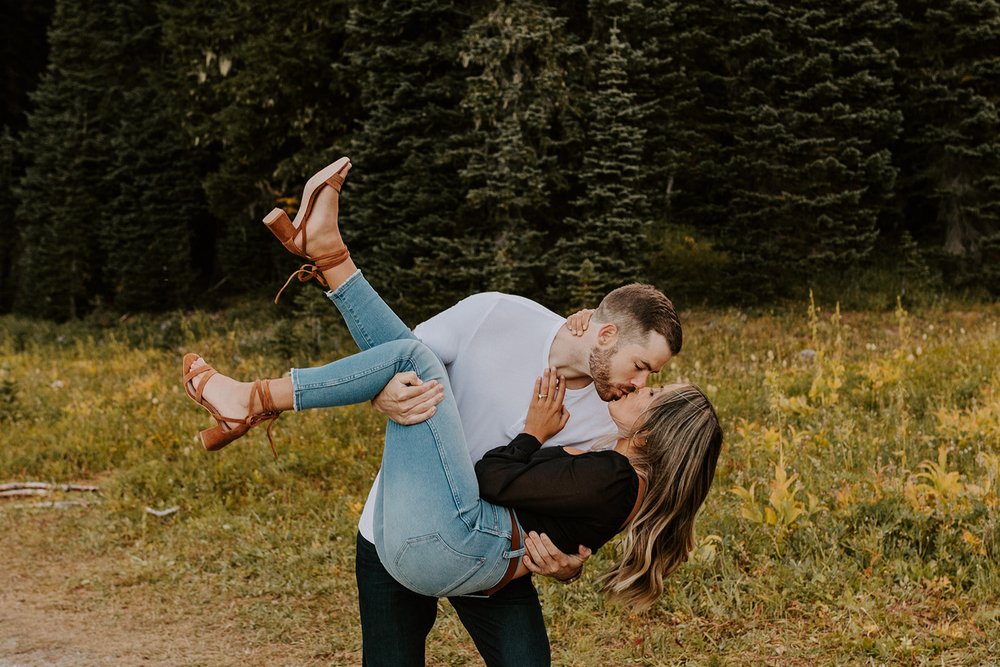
pixel 678 438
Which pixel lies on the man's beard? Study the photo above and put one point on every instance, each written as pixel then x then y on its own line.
pixel 600 372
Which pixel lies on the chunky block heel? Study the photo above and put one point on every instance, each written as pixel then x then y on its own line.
pixel 228 429
pixel 286 230
pixel 281 226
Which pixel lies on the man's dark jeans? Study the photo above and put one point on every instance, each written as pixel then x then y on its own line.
pixel 508 627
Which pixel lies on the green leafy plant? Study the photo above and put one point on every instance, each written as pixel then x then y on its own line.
pixel 784 510
pixel 941 489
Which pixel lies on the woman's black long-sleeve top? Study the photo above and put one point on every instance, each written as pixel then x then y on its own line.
pixel 574 499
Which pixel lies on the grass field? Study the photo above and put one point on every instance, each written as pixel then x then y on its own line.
pixel 854 519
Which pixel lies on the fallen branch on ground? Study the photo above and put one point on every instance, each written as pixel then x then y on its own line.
pixel 45 504
pixel 44 486
pixel 23 492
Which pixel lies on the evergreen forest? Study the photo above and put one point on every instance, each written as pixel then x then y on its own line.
pixel 733 151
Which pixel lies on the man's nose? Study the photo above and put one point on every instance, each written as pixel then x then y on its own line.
pixel 640 379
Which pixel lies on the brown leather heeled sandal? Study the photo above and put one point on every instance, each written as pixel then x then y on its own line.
pixel 228 429
pixel 286 230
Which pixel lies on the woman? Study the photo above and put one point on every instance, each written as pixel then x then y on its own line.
pixel 440 530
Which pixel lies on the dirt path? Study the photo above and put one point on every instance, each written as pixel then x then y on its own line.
pixel 51 615
pixel 42 626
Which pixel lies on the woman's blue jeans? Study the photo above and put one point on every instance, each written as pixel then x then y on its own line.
pixel 433 532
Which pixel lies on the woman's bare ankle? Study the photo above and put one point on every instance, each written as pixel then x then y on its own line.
pixel 230 397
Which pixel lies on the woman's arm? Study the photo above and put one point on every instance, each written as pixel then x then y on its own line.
pixel 554 483
pixel 551 483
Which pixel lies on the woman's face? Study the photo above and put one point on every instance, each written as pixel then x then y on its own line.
pixel 626 410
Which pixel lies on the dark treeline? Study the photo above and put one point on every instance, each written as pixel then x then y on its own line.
pixel 556 149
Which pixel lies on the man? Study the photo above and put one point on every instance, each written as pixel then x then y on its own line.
pixel 494 346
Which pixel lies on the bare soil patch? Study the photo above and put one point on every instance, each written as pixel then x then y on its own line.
pixel 60 608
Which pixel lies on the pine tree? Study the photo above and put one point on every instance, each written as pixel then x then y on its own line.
pixel 405 195
pixel 265 97
pixel 676 51
pixel 666 99
pixel 109 192
pixel 795 167
pixel 67 150
pixel 147 234
pixel 605 242
pixel 518 98
pixel 8 223
pixel 950 151
pixel 145 230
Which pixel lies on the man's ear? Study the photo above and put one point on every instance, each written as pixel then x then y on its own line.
pixel 607 335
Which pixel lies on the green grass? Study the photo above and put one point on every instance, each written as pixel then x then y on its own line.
pixel 855 558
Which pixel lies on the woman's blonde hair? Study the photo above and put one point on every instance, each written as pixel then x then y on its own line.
pixel 678 438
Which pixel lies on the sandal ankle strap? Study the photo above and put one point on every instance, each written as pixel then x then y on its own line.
pixel 307 272
pixel 261 389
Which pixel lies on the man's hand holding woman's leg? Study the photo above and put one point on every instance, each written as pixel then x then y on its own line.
pixel 409 400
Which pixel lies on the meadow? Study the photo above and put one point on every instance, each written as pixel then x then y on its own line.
pixel 854 518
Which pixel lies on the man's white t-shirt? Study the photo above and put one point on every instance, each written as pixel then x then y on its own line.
pixel 493 346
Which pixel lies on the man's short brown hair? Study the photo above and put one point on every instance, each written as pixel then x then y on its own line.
pixel 638 310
